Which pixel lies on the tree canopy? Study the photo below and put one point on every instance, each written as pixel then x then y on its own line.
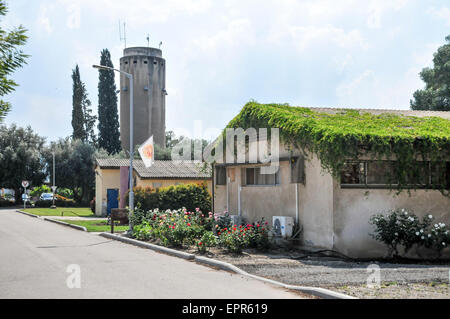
pixel 11 58
pixel 20 158
pixel 436 94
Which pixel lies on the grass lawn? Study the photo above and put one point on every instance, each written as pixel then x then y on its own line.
pixel 97 225
pixel 61 211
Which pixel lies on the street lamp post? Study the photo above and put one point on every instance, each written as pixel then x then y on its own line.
pixel 54 187
pixel 131 195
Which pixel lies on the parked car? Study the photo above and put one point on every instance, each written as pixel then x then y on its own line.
pixel 46 196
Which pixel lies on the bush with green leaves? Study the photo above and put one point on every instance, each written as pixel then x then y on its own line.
pixel 405 229
pixel 38 190
pixel 190 196
pixel 207 240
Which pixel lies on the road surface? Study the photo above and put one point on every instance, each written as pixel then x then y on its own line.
pixel 36 256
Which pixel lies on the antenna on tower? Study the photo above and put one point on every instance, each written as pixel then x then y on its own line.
pixel 160 44
pixel 124 37
pixel 148 44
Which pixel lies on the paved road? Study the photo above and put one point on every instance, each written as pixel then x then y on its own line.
pixel 35 255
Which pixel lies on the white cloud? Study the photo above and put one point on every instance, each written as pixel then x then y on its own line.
pixel 442 13
pixel 43 19
pixel 346 90
pixel 141 12
pixel 379 7
pixel 306 36
pixel 74 16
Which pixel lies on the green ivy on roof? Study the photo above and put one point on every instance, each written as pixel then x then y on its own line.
pixel 348 134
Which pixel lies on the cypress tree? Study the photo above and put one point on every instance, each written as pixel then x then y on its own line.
pixel 77 108
pixel 108 117
pixel 83 121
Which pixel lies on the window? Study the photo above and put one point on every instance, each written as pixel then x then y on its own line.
pixel 353 173
pixel 440 174
pixel 253 176
pixel 383 173
pixel 380 173
pixel 221 175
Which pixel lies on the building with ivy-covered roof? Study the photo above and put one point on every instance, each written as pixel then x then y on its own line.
pixel 337 168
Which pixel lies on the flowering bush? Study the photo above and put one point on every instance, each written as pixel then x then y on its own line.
pixel 400 227
pixel 258 234
pixel 207 240
pixel 172 227
pixel 234 239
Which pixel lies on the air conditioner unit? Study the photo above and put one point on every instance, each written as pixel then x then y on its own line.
pixel 236 220
pixel 282 226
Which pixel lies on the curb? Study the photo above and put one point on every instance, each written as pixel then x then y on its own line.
pixel 141 244
pixel 82 228
pixel 319 292
pixel 28 214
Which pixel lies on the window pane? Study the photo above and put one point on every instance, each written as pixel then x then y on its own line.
pixel 221 176
pixel 440 174
pixel 250 176
pixel 380 172
pixel 421 176
pixel 353 173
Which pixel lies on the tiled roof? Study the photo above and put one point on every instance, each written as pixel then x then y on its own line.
pixel 159 169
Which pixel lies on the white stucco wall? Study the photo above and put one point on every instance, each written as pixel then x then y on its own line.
pixel 354 207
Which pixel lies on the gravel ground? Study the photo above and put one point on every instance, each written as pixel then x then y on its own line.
pixel 349 277
pixel 301 268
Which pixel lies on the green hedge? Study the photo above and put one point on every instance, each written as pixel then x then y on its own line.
pixel 6 203
pixel 190 196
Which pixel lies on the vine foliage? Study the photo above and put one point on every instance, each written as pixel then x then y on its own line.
pixel 346 135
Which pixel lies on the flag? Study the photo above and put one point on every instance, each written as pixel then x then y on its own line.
pixel 147 152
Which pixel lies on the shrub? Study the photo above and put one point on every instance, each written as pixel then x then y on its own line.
pixel 206 241
pixel 258 234
pixel 6 203
pixel 58 203
pixel 190 196
pixel 234 239
pixel 172 227
pixel 402 228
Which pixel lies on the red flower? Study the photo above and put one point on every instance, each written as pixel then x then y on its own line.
pixel 189 224
pixel 200 243
pixel 218 233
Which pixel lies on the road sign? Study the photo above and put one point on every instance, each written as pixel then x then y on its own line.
pixel 25 184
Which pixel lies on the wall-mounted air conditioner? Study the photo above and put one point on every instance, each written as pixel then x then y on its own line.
pixel 282 226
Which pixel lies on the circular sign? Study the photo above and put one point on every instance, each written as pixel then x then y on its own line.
pixel 25 184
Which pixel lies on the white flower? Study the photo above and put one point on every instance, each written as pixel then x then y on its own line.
pixel 396 234
pixel 421 230
pixel 435 225
pixel 403 210
pixel 430 216
pixel 417 233
pixel 429 235
pixel 422 237
pixel 443 244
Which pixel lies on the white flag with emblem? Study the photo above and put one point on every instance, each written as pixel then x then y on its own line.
pixel 147 152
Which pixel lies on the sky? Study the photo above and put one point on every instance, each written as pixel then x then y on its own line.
pixel 221 54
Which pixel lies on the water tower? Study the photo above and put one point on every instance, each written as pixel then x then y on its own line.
pixel 149 73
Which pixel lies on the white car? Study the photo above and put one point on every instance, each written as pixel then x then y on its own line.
pixel 46 196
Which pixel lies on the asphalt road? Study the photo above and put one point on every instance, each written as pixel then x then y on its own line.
pixel 35 256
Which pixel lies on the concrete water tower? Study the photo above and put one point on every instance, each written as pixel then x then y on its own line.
pixel 149 72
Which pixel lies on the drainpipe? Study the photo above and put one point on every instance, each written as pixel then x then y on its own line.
pixel 239 200
pixel 296 203
pixel 228 190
